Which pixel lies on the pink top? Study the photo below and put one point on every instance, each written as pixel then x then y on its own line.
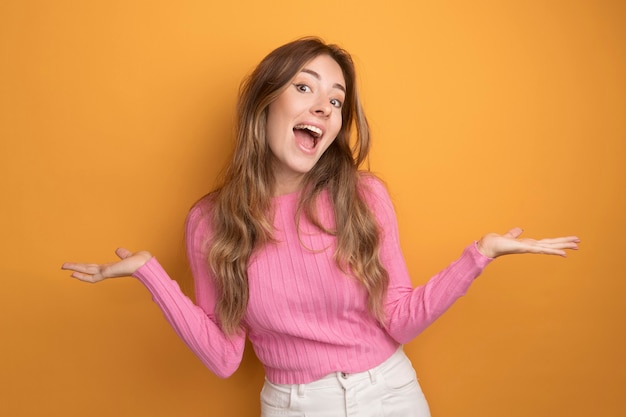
pixel 305 317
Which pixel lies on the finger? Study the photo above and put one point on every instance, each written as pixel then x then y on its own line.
pixel 568 239
pixel 85 277
pixel 558 244
pixel 123 253
pixel 83 268
pixel 544 250
pixel 514 232
pixel 554 248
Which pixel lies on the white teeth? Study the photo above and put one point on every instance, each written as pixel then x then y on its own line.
pixel 317 132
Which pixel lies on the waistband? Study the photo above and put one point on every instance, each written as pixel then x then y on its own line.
pixel 341 378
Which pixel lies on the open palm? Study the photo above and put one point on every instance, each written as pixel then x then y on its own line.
pixel 493 245
pixel 128 264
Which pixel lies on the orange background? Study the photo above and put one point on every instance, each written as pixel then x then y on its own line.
pixel 115 116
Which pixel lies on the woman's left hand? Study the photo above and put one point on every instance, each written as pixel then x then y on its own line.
pixel 493 245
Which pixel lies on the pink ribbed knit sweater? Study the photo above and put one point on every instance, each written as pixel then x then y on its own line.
pixel 305 317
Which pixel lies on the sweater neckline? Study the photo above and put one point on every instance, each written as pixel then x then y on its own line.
pixel 286 197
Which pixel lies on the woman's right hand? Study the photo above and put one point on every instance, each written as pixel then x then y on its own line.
pixel 129 263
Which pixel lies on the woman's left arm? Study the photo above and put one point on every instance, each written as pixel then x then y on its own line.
pixel 410 310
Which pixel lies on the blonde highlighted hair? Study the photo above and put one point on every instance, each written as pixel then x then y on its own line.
pixel 242 220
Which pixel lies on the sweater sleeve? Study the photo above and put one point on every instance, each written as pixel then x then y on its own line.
pixel 410 310
pixel 195 324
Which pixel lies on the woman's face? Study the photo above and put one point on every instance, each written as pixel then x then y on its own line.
pixel 304 120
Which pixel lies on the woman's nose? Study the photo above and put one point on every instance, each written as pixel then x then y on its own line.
pixel 321 107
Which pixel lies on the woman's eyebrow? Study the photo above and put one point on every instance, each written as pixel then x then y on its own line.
pixel 316 75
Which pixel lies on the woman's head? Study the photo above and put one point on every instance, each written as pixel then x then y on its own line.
pixel 304 121
pixel 276 73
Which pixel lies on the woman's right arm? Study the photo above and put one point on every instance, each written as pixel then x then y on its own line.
pixel 195 324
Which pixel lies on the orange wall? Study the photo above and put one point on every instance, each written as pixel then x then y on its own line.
pixel 116 115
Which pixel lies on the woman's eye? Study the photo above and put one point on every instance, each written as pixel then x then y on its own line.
pixel 336 103
pixel 303 88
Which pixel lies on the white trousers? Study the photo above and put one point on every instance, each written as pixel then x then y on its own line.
pixel 390 389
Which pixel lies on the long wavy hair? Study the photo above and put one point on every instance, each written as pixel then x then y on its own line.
pixel 242 218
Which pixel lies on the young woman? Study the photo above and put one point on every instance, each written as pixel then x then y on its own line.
pixel 298 250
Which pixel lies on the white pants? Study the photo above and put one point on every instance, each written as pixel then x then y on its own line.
pixel 390 389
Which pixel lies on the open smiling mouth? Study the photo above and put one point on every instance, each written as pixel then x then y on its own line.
pixel 307 136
